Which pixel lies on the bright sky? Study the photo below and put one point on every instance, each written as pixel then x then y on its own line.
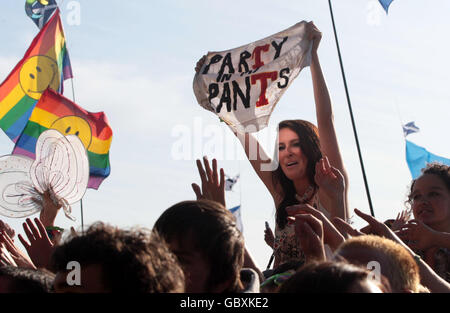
pixel 135 61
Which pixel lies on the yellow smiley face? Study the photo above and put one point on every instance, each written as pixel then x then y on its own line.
pixel 74 125
pixel 38 73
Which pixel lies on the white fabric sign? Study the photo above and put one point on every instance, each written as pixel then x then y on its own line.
pixel 243 85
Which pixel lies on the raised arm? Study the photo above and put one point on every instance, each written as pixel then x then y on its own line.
pixel 260 161
pixel 258 158
pixel 324 112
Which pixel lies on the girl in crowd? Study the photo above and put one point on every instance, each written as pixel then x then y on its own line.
pixel 308 170
pixel 429 233
pixel 310 167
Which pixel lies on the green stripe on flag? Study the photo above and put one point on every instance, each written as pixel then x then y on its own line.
pixel 98 160
pixel 17 112
pixel 34 129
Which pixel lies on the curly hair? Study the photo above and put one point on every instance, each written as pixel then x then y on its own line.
pixel 440 170
pixel 26 280
pixel 132 261
pixel 308 135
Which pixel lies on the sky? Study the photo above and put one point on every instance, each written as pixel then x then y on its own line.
pixel 135 61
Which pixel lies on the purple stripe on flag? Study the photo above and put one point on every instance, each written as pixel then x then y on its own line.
pixel 95 181
pixel 20 151
pixel 67 67
pixel 67 72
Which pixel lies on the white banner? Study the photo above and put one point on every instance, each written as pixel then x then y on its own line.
pixel 243 85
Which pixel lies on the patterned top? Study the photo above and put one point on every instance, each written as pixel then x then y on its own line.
pixel 286 245
pixel 441 262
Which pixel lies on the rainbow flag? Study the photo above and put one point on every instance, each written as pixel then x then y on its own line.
pixel 53 111
pixel 45 64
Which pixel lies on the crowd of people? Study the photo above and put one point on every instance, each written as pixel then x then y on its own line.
pixel 196 247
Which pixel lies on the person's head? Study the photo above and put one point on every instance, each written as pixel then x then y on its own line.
pixel 429 197
pixel 332 277
pixel 298 152
pixel 209 246
pixel 24 280
pixel 114 260
pixel 276 277
pixel 386 256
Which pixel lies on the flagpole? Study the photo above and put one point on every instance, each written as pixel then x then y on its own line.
pixel 400 119
pixel 81 200
pixel 351 113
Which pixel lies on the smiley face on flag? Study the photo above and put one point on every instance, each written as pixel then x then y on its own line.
pixel 37 74
pixel 74 125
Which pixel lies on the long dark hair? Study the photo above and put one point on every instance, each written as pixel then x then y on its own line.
pixel 310 145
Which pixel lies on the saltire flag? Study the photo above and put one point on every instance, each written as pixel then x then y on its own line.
pixel 243 85
pixel 385 4
pixel 40 11
pixel 53 111
pixel 237 214
pixel 417 158
pixel 45 64
pixel 410 128
pixel 230 182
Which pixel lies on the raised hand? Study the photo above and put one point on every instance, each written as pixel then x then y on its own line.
pixel 329 178
pixel 331 186
pixel 50 208
pixel 213 188
pixel 315 35
pixel 20 258
pixel 200 63
pixel 40 247
pixel 332 236
pixel 309 231
pixel 377 227
pixel 4 227
pixel 418 235
pixel 5 257
pixel 345 228
pixel 401 220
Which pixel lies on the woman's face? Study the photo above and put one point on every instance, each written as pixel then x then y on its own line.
pixel 292 160
pixel 430 201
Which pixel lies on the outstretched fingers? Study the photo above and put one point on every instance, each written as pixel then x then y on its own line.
pixel 24 242
pixel 197 190
pixel 41 228
pixel 344 228
pixel 222 179
pixel 33 229
pixel 201 171
pixel 207 169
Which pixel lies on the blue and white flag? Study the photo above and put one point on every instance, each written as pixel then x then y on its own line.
pixel 237 214
pixel 385 4
pixel 417 158
pixel 230 182
pixel 410 128
pixel 40 11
